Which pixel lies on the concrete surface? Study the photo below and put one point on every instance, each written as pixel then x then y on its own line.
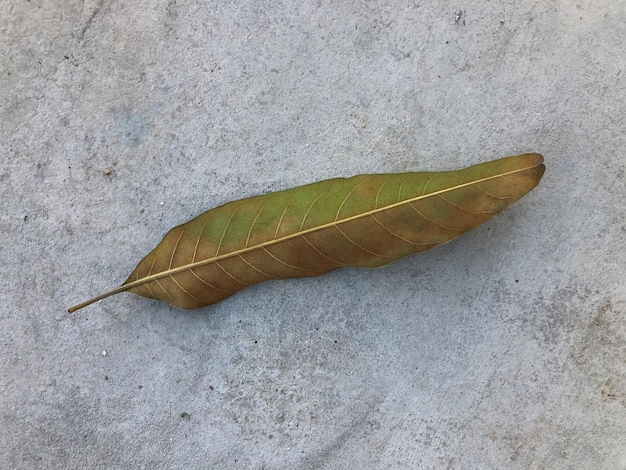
pixel 503 349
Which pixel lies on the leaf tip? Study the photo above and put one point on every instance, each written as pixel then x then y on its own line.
pixel 533 159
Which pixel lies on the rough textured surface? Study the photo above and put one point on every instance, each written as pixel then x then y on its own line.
pixel 503 349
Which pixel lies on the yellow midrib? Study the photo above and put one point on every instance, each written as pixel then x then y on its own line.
pixel 301 233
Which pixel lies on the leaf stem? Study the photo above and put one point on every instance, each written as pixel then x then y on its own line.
pixel 117 290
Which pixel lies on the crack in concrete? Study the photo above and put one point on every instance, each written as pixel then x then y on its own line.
pixel 87 24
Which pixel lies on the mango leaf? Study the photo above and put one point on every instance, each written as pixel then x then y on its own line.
pixel 363 221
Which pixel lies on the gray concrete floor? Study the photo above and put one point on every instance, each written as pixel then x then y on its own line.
pixel 503 349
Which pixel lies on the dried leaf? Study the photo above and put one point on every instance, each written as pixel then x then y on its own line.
pixel 364 221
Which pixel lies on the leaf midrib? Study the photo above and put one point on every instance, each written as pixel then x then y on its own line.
pixel 301 233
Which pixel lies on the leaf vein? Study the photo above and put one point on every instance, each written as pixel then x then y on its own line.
pixel 396 235
pixel 400 191
pixel 378 193
pixel 361 247
pixel 219 245
pixel 306 214
pixel 432 177
pixel 347 196
pixel 156 255
pixel 183 289
pixel 298 268
pixel 494 196
pixel 254 222
pixel 163 289
pixel 207 283
pixel 195 250
pixel 280 221
pixel 257 269
pixel 324 255
pixel 230 275
pixel 175 248
pixel 463 209
pixel 432 221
